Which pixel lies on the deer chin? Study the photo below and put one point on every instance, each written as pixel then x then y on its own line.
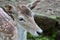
pixel 36 33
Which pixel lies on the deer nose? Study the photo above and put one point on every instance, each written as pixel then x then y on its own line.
pixel 39 33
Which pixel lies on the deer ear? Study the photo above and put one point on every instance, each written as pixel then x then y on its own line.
pixel 26 10
pixel 8 7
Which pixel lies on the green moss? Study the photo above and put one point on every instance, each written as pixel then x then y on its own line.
pixel 42 37
pixel 51 16
pixel 12 0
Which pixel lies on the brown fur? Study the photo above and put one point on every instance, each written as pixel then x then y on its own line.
pixel 7 26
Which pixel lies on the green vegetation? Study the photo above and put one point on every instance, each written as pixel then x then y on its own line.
pixel 42 37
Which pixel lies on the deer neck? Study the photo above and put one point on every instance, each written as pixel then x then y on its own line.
pixel 22 34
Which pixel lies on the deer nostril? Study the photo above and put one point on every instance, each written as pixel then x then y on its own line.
pixel 39 33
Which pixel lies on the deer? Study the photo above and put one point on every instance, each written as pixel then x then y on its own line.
pixel 24 19
pixel 8 30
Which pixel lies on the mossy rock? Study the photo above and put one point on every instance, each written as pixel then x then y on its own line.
pixel 46 23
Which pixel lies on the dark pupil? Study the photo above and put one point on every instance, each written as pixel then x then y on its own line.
pixel 21 19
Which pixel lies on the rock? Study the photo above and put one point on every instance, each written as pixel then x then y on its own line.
pixel 48 25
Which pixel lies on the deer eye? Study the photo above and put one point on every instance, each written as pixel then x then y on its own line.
pixel 21 19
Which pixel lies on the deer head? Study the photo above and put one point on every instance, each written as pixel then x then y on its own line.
pixel 25 17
